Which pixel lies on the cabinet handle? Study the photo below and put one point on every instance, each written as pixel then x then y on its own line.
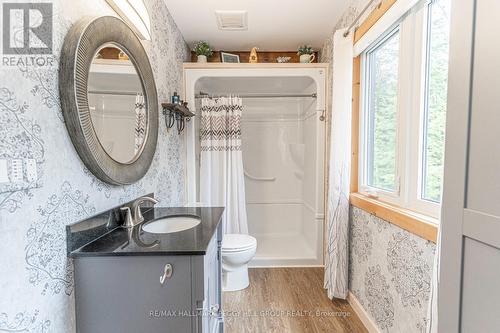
pixel 214 310
pixel 168 270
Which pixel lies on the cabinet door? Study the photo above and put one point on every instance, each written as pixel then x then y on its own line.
pixel 124 294
pixel 211 303
pixel 213 290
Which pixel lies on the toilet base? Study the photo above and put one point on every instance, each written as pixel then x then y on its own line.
pixel 235 280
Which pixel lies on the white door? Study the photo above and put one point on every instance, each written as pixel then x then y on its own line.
pixel 469 290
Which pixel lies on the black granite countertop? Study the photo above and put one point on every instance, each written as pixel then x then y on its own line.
pixel 118 241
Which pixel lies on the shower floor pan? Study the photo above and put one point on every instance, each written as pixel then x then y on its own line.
pixel 277 250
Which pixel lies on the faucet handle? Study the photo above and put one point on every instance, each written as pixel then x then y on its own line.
pixel 129 223
pixel 138 218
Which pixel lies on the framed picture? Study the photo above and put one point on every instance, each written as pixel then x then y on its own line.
pixel 228 57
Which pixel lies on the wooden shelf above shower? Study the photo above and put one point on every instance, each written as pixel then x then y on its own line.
pixel 219 65
pixel 263 56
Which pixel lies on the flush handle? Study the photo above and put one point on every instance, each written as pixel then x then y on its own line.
pixel 168 270
pixel 322 117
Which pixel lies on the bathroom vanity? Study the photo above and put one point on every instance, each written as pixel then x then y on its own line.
pixel 136 270
pixel 128 280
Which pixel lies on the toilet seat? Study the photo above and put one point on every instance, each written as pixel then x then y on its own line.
pixel 238 243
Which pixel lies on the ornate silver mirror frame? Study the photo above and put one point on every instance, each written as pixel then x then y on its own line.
pixel 82 42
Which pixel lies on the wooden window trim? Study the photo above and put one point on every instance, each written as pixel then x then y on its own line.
pixel 418 224
pixel 374 16
pixel 415 223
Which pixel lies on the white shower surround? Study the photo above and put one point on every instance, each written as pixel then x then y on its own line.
pixel 286 215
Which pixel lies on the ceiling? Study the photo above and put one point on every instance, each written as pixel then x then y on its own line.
pixel 273 25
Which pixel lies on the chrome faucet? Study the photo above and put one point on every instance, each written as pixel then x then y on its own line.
pixel 133 216
pixel 136 208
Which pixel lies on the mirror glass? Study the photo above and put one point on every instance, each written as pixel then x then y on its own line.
pixel 117 104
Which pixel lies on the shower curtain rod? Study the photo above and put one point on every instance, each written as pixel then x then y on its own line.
pixel 204 94
pixel 346 33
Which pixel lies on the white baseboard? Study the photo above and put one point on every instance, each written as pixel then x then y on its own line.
pixel 362 314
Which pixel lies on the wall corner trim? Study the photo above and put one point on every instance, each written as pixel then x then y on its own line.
pixel 365 318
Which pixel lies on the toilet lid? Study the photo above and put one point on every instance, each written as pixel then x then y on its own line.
pixel 235 242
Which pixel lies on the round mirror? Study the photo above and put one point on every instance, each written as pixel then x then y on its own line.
pixel 109 99
pixel 116 103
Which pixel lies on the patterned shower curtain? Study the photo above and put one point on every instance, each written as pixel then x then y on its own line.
pixel 140 122
pixel 337 251
pixel 222 180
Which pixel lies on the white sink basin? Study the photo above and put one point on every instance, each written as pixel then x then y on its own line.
pixel 171 224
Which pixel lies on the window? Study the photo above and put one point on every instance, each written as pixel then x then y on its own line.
pixel 436 84
pixel 382 105
pixel 403 99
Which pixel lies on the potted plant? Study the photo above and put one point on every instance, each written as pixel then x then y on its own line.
pixel 306 54
pixel 202 50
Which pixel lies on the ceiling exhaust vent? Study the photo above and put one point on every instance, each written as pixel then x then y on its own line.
pixel 232 19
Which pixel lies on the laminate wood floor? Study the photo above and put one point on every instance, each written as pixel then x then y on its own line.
pixel 287 300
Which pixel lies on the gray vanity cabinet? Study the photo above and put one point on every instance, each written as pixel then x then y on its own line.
pixel 125 294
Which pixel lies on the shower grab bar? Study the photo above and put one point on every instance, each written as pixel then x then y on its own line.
pixel 262 179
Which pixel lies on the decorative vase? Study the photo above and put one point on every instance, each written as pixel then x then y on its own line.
pixel 202 58
pixel 253 56
pixel 307 58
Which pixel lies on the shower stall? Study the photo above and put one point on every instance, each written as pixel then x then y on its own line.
pixel 283 145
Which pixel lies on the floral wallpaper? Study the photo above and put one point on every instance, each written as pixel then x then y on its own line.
pixel 326 53
pixel 36 278
pixel 390 272
pixel 390 269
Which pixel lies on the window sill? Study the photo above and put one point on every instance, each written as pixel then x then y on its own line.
pixel 421 225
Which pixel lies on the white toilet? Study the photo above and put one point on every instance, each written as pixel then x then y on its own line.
pixel 237 251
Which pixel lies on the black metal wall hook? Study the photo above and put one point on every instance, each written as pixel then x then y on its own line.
pixel 180 123
pixel 176 113
pixel 169 118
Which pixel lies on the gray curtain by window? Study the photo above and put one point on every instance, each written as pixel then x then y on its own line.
pixel 432 310
pixel 337 251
